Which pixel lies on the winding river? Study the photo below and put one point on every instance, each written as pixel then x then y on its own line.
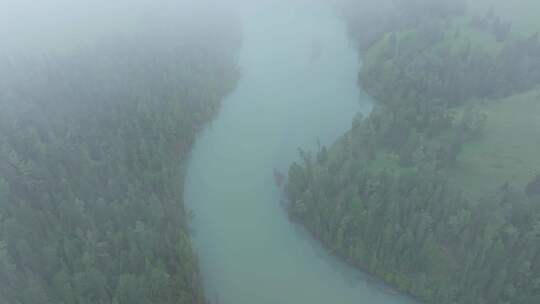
pixel 298 86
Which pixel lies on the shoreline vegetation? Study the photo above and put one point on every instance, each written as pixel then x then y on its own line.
pixel 388 196
pixel 372 279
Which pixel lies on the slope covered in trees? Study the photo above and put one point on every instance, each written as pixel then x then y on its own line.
pixel 386 196
pixel 92 144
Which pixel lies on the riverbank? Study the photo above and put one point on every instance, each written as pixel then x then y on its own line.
pixel 374 278
pixel 249 251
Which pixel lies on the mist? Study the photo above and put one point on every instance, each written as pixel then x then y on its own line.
pixel 270 151
pixel 60 25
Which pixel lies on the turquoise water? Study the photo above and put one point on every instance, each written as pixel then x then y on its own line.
pixel 299 83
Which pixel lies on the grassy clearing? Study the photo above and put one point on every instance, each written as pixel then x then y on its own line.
pixel 510 147
pixel 509 150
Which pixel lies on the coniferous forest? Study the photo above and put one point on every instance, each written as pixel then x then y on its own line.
pixel 92 148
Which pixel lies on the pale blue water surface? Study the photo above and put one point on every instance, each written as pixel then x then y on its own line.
pixel 299 83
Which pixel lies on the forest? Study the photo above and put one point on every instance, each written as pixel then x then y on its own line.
pixel 93 142
pixel 148 152
pixel 391 195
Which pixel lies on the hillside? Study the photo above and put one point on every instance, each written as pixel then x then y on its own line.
pixel 508 149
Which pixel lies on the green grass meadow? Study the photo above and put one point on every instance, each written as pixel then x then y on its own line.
pixel 509 149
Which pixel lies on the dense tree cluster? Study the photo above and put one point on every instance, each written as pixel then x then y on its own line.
pixel 381 196
pixel 425 46
pixel 407 224
pixel 434 60
pixel 91 151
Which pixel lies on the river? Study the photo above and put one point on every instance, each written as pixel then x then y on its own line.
pixel 298 86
